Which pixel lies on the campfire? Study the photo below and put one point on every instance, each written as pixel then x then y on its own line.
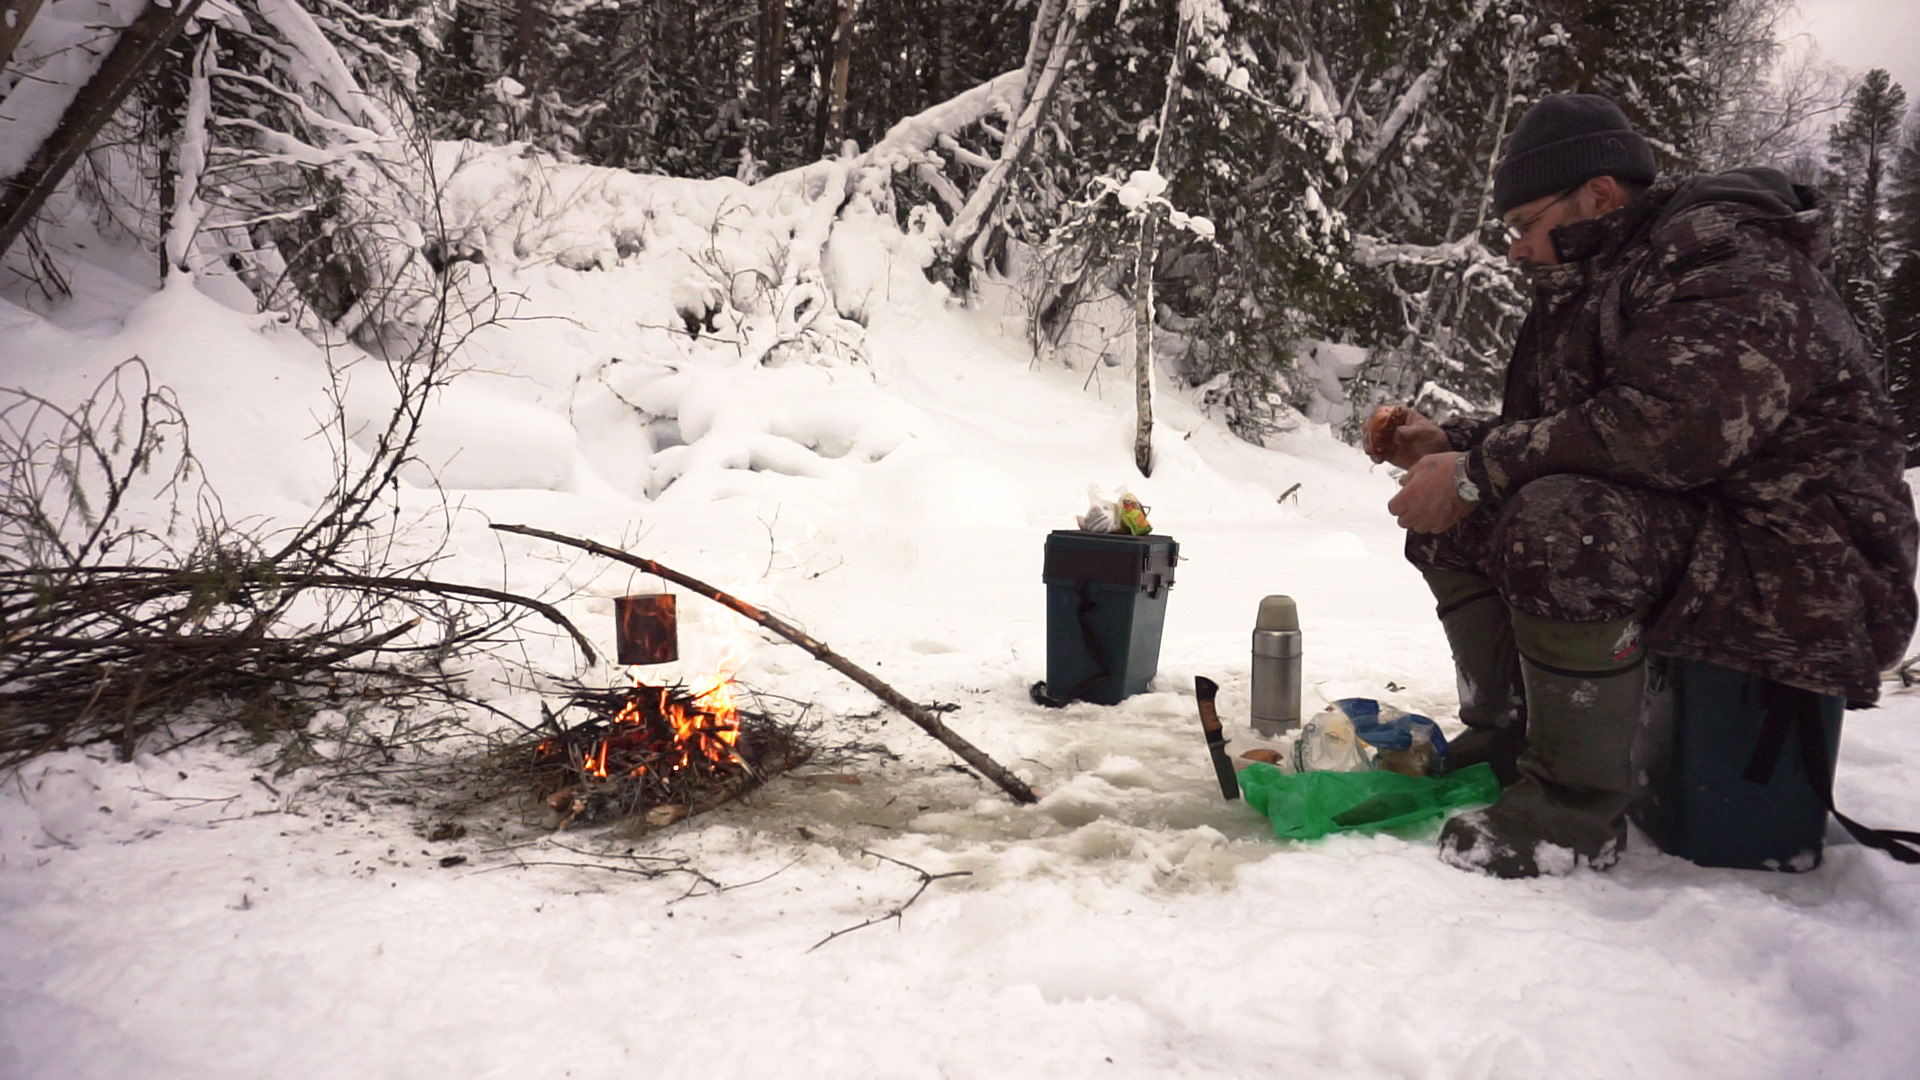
pixel 758 749
pixel 657 752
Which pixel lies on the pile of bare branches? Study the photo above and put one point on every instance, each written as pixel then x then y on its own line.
pixel 124 607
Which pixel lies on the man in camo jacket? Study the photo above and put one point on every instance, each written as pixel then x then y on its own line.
pixel 1694 456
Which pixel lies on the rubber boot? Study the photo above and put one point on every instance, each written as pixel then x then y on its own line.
pixel 1487 669
pixel 1584 683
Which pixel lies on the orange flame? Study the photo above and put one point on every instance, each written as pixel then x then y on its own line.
pixel 712 726
pixel 708 727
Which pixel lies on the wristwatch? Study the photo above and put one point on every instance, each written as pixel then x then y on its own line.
pixel 1468 490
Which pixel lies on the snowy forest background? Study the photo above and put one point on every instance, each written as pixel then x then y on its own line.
pixel 1326 165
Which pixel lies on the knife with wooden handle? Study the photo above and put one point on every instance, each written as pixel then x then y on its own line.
pixel 1204 690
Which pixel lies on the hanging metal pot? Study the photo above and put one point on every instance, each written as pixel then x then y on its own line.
pixel 647 629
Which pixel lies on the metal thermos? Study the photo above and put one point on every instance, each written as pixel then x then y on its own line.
pixel 1276 667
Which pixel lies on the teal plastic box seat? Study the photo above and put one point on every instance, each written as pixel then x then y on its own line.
pixel 1698 791
pixel 1106 605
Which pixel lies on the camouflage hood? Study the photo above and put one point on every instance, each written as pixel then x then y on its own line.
pixel 1799 213
pixel 1796 213
pixel 1766 190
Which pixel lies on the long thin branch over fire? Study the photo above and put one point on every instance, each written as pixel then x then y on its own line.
pixel 928 722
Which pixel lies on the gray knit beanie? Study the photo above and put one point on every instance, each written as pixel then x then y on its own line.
pixel 1564 140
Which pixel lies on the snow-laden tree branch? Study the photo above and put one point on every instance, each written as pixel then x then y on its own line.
pixel 190 161
pixel 1375 252
pixel 316 62
pixel 1412 101
pixel 970 223
pixel 910 143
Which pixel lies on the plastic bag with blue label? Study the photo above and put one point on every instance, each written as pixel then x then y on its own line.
pixel 1358 734
pixel 1402 742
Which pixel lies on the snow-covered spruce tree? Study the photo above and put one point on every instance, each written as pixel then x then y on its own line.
pixel 314 183
pixel 1429 112
pixel 293 161
pixel 1248 150
pixel 1901 314
pixel 1900 301
pixel 1860 150
pixel 1647 55
pixel 272 141
pixel 652 85
pixel 1260 155
pixel 699 88
pixel 1431 91
pixel 1903 189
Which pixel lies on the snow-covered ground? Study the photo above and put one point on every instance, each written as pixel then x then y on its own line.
pixel 888 488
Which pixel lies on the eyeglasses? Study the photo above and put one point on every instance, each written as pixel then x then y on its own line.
pixel 1515 232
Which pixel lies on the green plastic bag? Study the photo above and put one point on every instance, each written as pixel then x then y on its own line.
pixel 1308 806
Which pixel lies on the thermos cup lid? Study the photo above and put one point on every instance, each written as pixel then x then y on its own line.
pixel 1277 613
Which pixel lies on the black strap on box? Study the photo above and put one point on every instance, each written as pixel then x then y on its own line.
pixel 1091 640
pixel 1781 714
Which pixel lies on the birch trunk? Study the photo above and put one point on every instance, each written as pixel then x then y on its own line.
pixel 1145 261
pixel 1040 44
pixel 1143 344
pixel 834 107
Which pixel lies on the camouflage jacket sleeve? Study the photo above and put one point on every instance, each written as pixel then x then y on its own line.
pixel 1465 432
pixel 1699 365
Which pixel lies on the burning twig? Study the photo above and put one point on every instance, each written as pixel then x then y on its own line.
pixel 928 722
pixel 926 879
